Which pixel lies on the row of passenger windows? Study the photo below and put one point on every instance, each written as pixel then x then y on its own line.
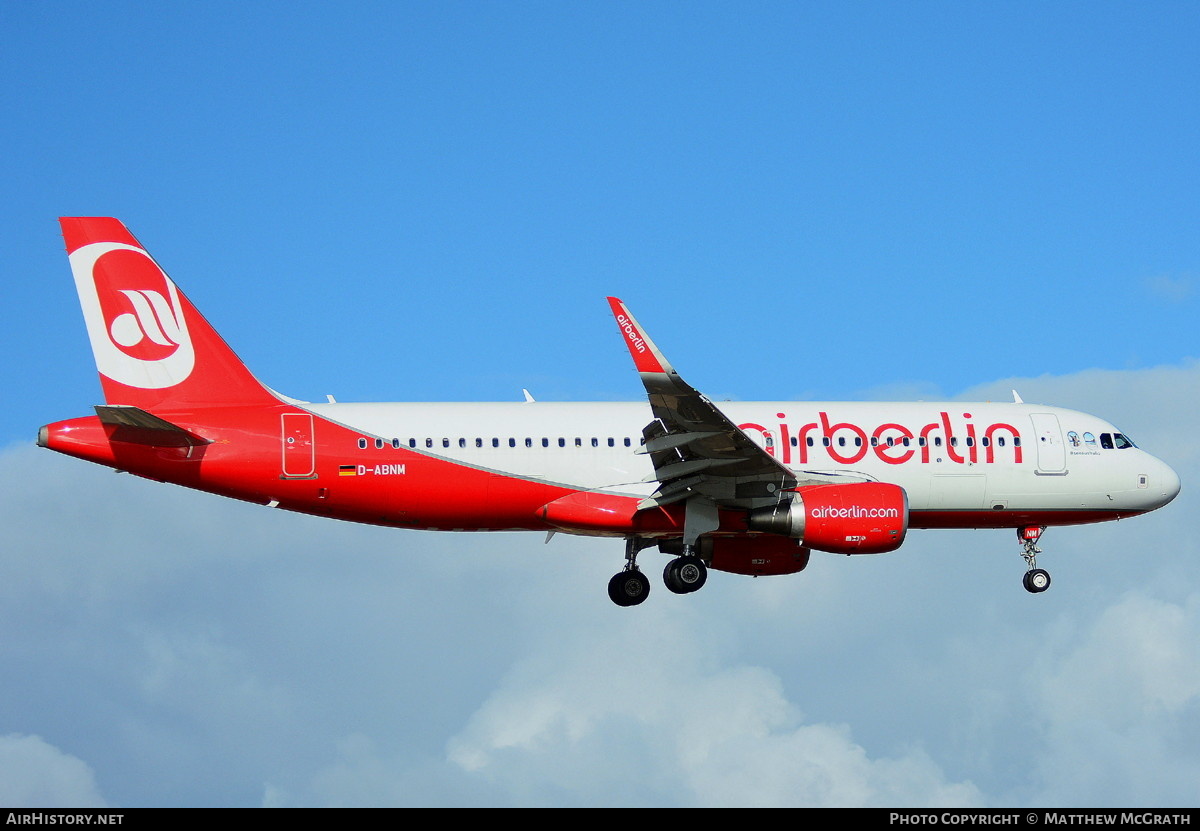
pixel 891 441
pixel 628 442
pixel 494 442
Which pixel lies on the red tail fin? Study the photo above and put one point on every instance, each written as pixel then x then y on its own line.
pixel 153 349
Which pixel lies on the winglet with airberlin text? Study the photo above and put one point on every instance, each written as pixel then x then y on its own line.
pixel 646 356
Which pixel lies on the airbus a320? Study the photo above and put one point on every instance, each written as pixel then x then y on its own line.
pixel 744 487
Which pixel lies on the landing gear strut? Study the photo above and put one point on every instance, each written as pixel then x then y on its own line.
pixel 630 587
pixel 1036 580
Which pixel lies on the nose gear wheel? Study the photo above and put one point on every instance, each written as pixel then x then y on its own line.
pixel 1036 580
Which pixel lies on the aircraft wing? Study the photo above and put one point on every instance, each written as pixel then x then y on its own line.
pixel 696 450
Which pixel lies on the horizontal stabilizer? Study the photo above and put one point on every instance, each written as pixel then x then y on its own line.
pixel 136 426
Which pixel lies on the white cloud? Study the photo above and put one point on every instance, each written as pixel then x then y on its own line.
pixel 1171 289
pixel 36 774
pixel 645 714
pixel 1121 708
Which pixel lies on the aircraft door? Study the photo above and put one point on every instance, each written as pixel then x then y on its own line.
pixel 299 452
pixel 1051 452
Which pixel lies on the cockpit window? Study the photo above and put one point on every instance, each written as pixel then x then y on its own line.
pixel 1110 440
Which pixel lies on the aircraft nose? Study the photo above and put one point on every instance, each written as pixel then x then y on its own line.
pixel 1165 483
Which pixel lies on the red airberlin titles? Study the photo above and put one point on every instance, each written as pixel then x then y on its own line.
pixel 749 488
pixel 892 443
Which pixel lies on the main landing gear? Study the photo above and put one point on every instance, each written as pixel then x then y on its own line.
pixel 683 575
pixel 629 586
pixel 1036 580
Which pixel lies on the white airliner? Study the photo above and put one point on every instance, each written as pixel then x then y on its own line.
pixel 742 487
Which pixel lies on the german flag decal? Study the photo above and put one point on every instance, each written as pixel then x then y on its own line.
pixel 347 470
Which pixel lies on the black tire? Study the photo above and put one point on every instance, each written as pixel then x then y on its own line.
pixel 1036 580
pixel 628 588
pixel 684 575
pixel 671 577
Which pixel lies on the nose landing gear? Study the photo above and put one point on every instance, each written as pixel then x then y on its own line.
pixel 1036 580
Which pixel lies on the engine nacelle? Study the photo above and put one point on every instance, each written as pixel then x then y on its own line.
pixel 858 518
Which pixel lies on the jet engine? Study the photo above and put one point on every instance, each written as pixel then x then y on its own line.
pixel 857 518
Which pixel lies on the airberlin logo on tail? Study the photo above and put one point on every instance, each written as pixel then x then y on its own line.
pixel 134 318
pixel 150 329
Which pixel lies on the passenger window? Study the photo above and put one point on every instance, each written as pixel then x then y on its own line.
pixel 628 442
pixel 512 442
pixel 595 442
pixel 429 442
pixel 479 442
pixel 495 442
pixel 362 444
pixel 578 442
pixel 545 442
pixel 462 442
pixel 562 442
pixel 529 442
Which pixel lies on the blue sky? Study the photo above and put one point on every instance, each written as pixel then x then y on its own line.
pixel 402 201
